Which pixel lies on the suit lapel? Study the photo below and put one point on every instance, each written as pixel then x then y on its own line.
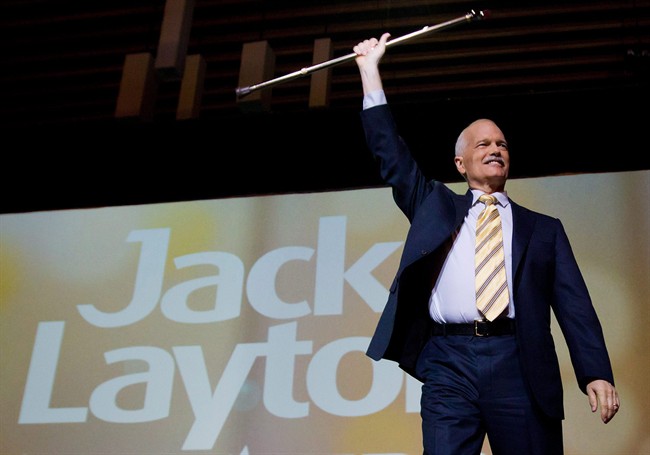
pixel 522 229
pixel 463 204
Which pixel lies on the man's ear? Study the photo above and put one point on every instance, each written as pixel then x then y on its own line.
pixel 458 160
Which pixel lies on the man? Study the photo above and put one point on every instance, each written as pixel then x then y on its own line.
pixel 499 375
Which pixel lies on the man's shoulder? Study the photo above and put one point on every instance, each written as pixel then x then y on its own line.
pixel 521 211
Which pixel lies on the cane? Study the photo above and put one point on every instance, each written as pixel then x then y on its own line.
pixel 469 17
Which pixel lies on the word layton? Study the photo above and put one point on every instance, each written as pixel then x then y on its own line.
pixel 211 407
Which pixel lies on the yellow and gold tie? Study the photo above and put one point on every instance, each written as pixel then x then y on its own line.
pixel 491 284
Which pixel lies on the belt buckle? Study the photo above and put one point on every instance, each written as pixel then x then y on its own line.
pixel 481 324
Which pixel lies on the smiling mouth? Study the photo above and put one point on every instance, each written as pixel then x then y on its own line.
pixel 498 161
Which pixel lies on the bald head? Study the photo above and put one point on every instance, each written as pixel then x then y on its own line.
pixel 463 137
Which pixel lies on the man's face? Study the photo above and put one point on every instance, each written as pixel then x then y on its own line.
pixel 485 160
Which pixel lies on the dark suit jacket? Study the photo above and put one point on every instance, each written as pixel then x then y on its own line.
pixel 545 276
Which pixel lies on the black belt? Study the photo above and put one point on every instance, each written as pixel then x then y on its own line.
pixel 504 326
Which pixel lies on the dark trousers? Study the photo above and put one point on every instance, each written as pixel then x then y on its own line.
pixel 473 387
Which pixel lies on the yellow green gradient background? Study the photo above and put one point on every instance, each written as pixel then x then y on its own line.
pixel 52 262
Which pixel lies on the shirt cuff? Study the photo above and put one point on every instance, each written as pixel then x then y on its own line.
pixel 374 98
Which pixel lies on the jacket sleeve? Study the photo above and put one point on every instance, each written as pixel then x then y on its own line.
pixel 577 317
pixel 397 167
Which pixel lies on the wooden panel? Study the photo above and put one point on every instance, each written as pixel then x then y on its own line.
pixel 257 66
pixel 189 100
pixel 174 38
pixel 138 88
pixel 321 80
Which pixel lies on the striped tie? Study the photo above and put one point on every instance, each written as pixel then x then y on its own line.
pixel 491 285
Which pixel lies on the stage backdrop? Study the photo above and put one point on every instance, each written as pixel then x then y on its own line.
pixel 238 326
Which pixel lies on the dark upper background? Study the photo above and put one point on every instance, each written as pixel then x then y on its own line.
pixel 566 80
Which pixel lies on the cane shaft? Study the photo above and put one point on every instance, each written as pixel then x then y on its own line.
pixel 472 15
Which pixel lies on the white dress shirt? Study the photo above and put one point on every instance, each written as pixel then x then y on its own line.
pixel 453 299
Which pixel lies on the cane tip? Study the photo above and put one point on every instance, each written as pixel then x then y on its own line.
pixel 478 15
pixel 242 91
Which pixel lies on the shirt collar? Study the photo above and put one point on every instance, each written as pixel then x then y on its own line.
pixel 502 197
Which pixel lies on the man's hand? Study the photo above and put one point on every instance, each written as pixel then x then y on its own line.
pixel 372 48
pixel 369 53
pixel 602 394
